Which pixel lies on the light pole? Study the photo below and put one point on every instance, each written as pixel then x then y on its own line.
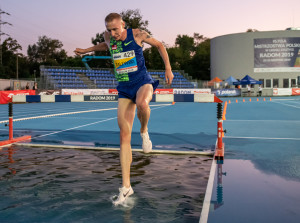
pixel 18 54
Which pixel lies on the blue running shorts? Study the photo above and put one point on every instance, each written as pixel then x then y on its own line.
pixel 130 89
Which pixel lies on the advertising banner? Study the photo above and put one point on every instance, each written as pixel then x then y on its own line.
pixel 6 96
pixel 296 91
pixel 101 98
pixel 282 91
pixel 113 91
pixel 227 92
pixel 192 91
pixel 163 91
pixel 84 91
pixel 48 92
pixel 277 54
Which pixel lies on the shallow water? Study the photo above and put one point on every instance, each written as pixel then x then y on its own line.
pixel 62 185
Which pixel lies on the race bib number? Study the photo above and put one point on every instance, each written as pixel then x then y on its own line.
pixel 125 62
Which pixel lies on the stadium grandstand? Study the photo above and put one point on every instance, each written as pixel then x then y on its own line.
pixel 81 78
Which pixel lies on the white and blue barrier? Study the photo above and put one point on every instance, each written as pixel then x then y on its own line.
pixel 89 98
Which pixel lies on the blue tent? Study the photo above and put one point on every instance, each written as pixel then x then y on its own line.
pixel 230 80
pixel 247 80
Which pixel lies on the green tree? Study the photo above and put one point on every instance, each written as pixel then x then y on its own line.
pixel 191 54
pixel 47 51
pixel 10 48
pixel 134 20
pixel 72 62
pixel 200 62
pixel 251 30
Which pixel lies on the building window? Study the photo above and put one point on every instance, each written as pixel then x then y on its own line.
pixel 275 83
pixel 293 83
pixel 286 83
pixel 262 82
pixel 268 83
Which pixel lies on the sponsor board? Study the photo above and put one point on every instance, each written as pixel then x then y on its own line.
pixel 163 91
pixel 192 91
pixel 113 91
pixel 84 91
pixel 6 96
pixel 101 98
pixel 48 92
pixel 296 91
pixel 282 91
pixel 227 92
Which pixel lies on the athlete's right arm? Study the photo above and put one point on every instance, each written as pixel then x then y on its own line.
pixel 99 47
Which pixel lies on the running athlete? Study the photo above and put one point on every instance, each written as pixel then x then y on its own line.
pixel 135 87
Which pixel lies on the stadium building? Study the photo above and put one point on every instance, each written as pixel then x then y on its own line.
pixel 272 57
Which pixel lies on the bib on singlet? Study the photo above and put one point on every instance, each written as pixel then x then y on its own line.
pixel 128 59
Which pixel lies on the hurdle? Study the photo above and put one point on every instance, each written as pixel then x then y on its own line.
pixel 218 153
pixel 219 148
pixel 11 138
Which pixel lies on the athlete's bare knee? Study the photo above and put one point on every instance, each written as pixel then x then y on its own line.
pixel 125 135
pixel 142 106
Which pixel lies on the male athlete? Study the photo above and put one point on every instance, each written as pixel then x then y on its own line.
pixel 135 87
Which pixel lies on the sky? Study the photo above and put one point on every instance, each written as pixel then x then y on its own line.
pixel 75 22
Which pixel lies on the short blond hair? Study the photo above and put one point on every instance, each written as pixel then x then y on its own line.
pixel 111 16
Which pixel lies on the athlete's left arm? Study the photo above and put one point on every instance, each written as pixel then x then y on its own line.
pixel 144 37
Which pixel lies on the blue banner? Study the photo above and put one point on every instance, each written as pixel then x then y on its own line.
pixel 277 54
pixel 227 92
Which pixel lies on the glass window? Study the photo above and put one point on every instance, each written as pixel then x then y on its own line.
pixel 268 83
pixel 286 83
pixel 275 83
pixel 293 83
pixel 263 82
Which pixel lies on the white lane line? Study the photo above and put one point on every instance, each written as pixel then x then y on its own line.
pixel 93 123
pixel 271 138
pixel 76 127
pixel 59 114
pixel 68 113
pixel 208 194
pixel 286 104
pixel 241 120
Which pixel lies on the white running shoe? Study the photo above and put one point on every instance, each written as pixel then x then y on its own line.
pixel 123 195
pixel 147 144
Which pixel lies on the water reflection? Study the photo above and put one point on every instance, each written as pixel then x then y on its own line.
pixel 219 202
pixel 69 185
pixel 8 152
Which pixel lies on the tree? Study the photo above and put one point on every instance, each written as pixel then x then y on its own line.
pixel 251 30
pixel 200 62
pixel 47 51
pixel 133 19
pixel 10 48
pixel 100 63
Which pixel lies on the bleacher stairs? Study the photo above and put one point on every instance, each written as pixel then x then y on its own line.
pixel 87 81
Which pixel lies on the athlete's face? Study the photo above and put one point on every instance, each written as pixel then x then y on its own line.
pixel 115 28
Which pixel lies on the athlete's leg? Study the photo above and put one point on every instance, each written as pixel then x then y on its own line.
pixel 143 98
pixel 126 113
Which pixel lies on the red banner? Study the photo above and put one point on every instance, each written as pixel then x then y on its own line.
pixel 6 96
pixel 113 91
pixel 163 91
pixel 157 91
pixel 296 91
